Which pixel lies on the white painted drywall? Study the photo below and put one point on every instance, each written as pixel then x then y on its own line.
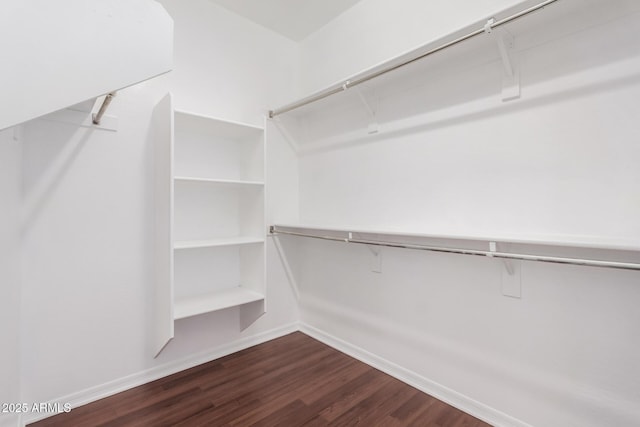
pixel 88 214
pixel 58 54
pixel 240 73
pixel 564 354
pixel 10 251
pixel 451 157
pixel 292 19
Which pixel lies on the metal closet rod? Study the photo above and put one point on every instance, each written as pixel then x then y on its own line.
pixel 351 83
pixel 492 254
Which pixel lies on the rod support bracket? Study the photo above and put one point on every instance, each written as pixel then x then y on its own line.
pixel 374 126
pixel 508 266
pixel 492 249
pixel 511 278
pixel 488 27
pixel 506 44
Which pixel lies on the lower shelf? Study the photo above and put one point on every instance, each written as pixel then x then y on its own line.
pixel 230 241
pixel 214 301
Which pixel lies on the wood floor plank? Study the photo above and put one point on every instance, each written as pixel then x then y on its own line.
pixel 277 394
pixel 293 414
pixel 467 420
pixel 411 407
pixel 327 385
pixel 267 386
pixel 185 404
pixel 350 397
pixel 432 415
pixel 316 421
pixel 291 381
pixel 86 418
pixel 219 415
pixel 376 406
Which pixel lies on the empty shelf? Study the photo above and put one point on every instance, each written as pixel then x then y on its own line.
pixel 218 181
pixel 231 241
pixel 200 304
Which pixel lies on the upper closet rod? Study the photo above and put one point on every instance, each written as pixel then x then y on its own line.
pixel 493 254
pixel 356 81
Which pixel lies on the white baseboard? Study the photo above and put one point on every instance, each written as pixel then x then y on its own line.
pixel 108 389
pixel 451 397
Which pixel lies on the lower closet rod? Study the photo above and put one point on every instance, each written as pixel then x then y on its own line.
pixel 491 254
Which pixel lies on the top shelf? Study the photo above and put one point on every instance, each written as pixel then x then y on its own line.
pixel 532 22
pixel 567 241
pixel 223 128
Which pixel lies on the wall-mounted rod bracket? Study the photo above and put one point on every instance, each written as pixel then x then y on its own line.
pixel 103 108
pixel 374 127
pixel 493 248
pixel 508 265
pixel 506 44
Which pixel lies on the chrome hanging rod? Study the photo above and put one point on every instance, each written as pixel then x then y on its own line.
pixel 492 254
pixel 103 108
pixel 372 75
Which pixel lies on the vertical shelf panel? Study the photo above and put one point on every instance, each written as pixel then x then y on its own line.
pixel 162 124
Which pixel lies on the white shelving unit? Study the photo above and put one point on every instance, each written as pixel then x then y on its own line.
pixel 211 181
pixel 218 214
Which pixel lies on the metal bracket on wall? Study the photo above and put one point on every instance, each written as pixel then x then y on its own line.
pixel 374 126
pixel 511 281
pixel 376 260
pixel 512 278
pixel 506 44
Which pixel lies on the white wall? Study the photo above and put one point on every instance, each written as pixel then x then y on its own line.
pixel 451 157
pixel 88 199
pixel 228 67
pixel 10 251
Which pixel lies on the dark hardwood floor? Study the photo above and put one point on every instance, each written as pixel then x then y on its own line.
pixel 290 381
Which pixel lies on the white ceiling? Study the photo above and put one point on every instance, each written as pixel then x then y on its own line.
pixel 295 19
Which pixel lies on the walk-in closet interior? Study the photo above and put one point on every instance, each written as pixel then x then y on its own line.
pixel 446 191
